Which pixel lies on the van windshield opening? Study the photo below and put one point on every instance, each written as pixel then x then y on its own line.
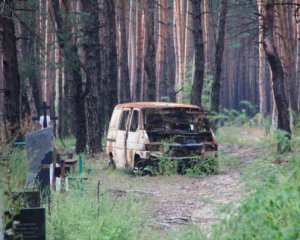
pixel 175 120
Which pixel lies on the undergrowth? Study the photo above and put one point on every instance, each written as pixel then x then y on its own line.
pixel 77 215
pixel 272 210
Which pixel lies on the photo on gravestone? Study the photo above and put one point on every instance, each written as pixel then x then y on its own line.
pixel 38 144
pixel 30 224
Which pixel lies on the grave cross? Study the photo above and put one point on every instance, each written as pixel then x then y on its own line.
pixel 44 109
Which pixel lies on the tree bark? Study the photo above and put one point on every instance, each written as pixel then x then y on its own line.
pixel 277 72
pixel 109 62
pixel 199 64
pixel 133 46
pixel 92 61
pixel 10 73
pixel 123 59
pixel 140 50
pixel 216 84
pixel 170 52
pixel 70 52
pixel 288 55
pixel 262 64
pixel 150 53
pixel 160 56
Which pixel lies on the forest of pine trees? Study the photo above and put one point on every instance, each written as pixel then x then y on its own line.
pixel 85 56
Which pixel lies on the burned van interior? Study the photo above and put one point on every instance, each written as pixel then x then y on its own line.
pixel 187 130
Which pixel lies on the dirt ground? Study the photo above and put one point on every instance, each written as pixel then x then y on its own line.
pixel 177 200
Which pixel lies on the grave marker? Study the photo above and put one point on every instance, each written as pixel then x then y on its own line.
pixel 38 144
pixel 31 224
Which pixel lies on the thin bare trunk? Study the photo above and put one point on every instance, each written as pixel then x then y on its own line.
pixel 216 84
pixel 139 52
pixel 150 53
pixel 262 64
pixel 123 58
pixel 133 47
pixel 199 64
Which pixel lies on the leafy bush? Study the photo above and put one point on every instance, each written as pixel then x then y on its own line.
pixel 206 166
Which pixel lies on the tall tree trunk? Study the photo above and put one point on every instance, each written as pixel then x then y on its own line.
pixel 139 51
pixel 289 57
pixel 133 47
pixel 216 84
pixel 298 62
pixel 199 64
pixel 179 46
pixel 11 75
pixel 170 54
pixel 277 71
pixel 123 59
pixel 109 62
pixel 150 53
pixel 262 63
pixel 92 60
pixel 160 56
pixel 70 52
pixel 188 54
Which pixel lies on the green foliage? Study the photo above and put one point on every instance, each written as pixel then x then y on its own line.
pixel 69 142
pixel 166 166
pixel 190 232
pixel 232 117
pixel 76 215
pixel 283 141
pixel 187 88
pixel 208 79
pixel 203 166
pixel 272 211
pixel 13 169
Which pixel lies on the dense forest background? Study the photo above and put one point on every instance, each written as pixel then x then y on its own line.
pixel 84 56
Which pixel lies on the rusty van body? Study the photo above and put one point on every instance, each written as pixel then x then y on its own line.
pixel 139 132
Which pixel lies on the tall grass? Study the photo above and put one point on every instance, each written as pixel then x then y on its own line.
pixel 272 211
pixel 81 215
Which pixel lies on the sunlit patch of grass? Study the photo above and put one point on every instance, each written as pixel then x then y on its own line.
pixel 242 135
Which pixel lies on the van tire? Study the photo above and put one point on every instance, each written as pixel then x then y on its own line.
pixel 137 161
pixel 111 161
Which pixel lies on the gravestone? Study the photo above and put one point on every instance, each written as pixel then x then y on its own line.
pixel 38 144
pixel 31 224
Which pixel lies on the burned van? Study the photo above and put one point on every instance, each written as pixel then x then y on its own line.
pixel 140 133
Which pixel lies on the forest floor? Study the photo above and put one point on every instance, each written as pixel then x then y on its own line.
pixel 178 199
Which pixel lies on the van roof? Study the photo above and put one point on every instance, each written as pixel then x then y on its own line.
pixel 142 105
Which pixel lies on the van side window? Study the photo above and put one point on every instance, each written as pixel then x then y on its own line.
pixel 134 121
pixel 124 119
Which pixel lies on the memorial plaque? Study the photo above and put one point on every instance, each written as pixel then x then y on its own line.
pixel 38 144
pixel 31 224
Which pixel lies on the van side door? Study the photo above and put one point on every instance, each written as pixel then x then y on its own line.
pixel 121 137
pixel 133 136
